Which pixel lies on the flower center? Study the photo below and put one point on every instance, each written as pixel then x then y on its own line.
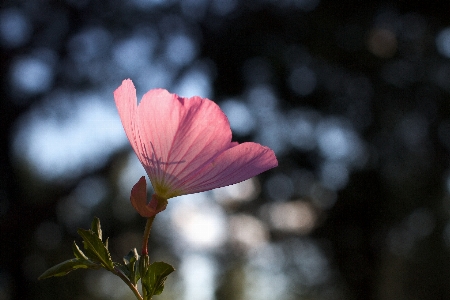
pixel 165 191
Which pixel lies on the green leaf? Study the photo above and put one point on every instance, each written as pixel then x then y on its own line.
pixel 97 228
pixel 67 266
pixel 95 255
pixel 95 249
pixel 132 267
pixel 131 257
pixel 123 269
pixel 77 252
pixel 154 279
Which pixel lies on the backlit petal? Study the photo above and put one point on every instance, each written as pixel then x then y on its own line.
pixel 175 136
pixel 185 144
pixel 236 164
pixel 126 102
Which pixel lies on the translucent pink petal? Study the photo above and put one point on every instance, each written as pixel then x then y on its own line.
pixel 183 134
pixel 185 144
pixel 126 102
pixel 232 166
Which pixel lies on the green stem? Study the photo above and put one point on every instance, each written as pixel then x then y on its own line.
pixel 128 282
pixel 148 227
pixel 144 256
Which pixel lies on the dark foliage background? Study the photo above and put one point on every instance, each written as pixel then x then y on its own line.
pixel 353 96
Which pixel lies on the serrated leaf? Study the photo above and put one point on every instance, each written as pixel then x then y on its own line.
pixel 67 266
pixel 95 249
pixel 77 252
pixel 97 228
pixel 154 279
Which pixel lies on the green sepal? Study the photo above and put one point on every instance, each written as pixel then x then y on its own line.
pixel 154 279
pixel 95 249
pixel 67 266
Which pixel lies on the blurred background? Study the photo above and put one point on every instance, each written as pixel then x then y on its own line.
pixel 353 97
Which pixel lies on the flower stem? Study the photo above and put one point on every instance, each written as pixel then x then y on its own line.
pixel 148 227
pixel 145 261
pixel 128 282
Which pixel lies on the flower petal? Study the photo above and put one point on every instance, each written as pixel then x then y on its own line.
pixel 181 135
pixel 126 102
pixel 185 144
pixel 236 164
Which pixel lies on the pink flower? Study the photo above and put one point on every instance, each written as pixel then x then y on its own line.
pixel 184 145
